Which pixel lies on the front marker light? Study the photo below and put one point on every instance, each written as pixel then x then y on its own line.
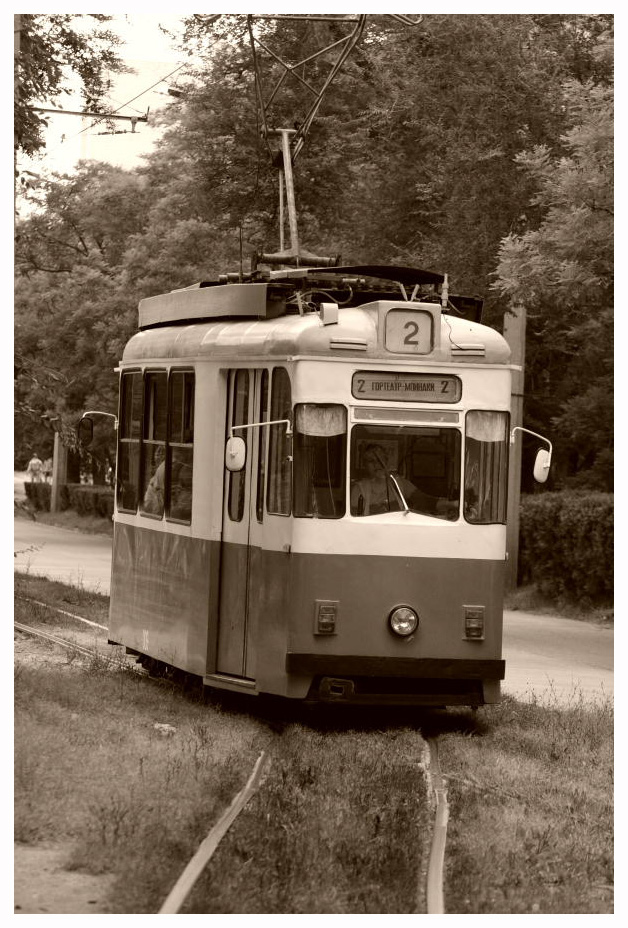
pixel 474 623
pixel 403 621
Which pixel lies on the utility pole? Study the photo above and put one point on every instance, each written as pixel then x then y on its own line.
pixel 17 36
pixel 59 473
pixel 515 335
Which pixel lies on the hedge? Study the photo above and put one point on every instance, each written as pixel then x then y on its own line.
pixel 85 499
pixel 566 545
pixel 38 495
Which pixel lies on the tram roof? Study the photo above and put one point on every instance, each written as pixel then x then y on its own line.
pixel 355 333
pixel 265 294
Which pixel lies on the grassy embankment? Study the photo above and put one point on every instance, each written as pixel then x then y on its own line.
pixel 341 823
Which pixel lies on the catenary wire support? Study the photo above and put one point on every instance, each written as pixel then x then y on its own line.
pixel 291 140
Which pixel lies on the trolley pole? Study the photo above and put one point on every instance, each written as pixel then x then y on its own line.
pixel 515 335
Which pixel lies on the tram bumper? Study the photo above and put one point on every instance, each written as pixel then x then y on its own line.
pixel 399 681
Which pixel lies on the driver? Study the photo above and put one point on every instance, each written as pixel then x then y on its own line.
pixel 377 492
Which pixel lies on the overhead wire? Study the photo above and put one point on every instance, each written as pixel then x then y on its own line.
pixel 105 116
pixel 136 97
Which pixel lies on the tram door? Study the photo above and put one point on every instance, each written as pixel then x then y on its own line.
pixel 242 527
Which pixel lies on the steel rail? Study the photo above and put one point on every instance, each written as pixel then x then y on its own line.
pixel 73 646
pixel 435 893
pixel 71 615
pixel 199 861
pixel 29 630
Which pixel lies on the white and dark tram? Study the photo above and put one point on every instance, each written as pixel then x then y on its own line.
pixel 311 488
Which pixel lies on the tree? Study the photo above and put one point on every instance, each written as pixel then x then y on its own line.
pixel 52 47
pixel 563 273
pixel 75 307
pixel 415 157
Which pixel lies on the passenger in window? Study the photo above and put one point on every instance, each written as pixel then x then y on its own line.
pixel 181 490
pixel 155 491
pixel 379 491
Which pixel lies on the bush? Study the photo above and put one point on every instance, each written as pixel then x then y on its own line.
pixel 566 545
pixel 38 495
pixel 87 500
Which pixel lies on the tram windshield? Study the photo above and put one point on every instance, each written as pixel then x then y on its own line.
pixel 405 467
pixel 486 467
pixel 320 451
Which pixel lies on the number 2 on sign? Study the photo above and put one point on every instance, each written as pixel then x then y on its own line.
pixel 411 338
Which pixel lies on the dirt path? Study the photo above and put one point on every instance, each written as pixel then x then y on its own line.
pixel 43 886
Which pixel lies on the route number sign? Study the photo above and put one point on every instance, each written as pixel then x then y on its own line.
pixel 408 331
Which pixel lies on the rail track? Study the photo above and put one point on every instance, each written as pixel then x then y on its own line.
pixel 434 892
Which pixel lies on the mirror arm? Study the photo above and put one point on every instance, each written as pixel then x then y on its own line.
pixel 98 412
pixel 519 428
pixel 257 425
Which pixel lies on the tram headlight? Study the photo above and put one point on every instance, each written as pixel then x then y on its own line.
pixel 403 621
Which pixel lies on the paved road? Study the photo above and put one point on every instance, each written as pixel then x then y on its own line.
pixel 73 557
pixel 546 657
pixel 550 656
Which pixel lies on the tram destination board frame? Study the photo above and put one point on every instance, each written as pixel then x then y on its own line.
pixel 407 387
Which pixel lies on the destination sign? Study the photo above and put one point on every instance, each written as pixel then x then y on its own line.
pixel 413 388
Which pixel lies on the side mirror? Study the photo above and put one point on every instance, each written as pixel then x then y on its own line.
pixel 542 465
pixel 85 431
pixel 235 453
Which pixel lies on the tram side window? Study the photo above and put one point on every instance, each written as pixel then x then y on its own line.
pixel 181 446
pixel 262 438
pixel 154 445
pixel 280 446
pixel 485 467
pixel 239 416
pixel 320 454
pixel 129 436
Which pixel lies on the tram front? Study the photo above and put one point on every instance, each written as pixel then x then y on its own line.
pixel 400 599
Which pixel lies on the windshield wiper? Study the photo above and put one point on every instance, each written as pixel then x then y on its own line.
pixel 406 508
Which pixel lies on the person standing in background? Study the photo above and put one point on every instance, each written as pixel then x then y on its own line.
pixel 35 468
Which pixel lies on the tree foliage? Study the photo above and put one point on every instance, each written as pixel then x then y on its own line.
pixel 562 272
pixel 52 47
pixel 479 145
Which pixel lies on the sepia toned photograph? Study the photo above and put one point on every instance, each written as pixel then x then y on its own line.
pixel 313 464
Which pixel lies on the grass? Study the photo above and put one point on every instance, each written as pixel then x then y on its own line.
pixel 340 827
pixel 92 768
pixel 85 602
pixel 531 804
pixel 529 599
pixel 341 824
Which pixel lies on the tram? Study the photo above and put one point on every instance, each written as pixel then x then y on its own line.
pixel 311 487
